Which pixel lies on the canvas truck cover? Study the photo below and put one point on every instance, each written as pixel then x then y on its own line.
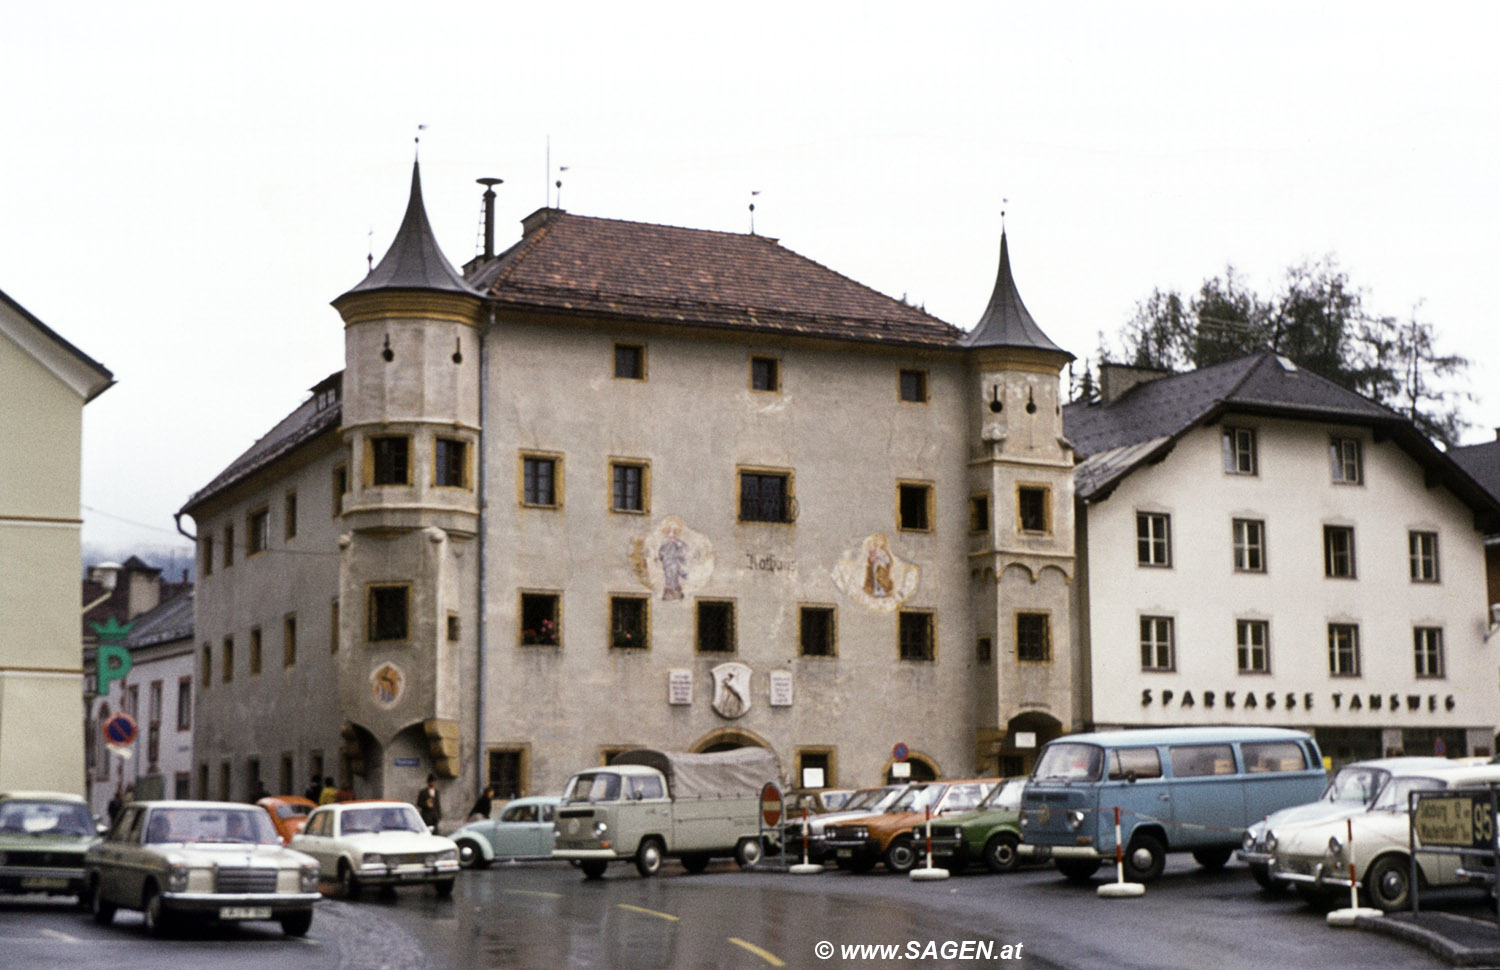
pixel 720 774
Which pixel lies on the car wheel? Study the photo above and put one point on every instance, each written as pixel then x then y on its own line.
pixel 470 856
pixel 593 868
pixel 296 924
pixel 1145 858
pixel 648 856
pixel 1000 853
pixel 747 853
pixel 154 913
pixel 443 888
pixel 900 855
pixel 103 911
pixel 1078 871
pixel 1212 859
pixel 694 862
pixel 348 881
pixel 1388 883
pixel 1268 883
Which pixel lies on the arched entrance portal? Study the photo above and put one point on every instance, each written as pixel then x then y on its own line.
pixel 727 739
pixel 1024 736
pixel 919 767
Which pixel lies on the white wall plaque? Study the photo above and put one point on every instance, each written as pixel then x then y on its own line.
pixel 679 687
pixel 781 688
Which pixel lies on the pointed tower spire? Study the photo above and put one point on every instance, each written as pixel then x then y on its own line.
pixel 1006 321
pixel 414 261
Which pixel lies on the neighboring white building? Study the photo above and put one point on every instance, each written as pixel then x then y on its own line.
pixel 1262 546
pixel 44 384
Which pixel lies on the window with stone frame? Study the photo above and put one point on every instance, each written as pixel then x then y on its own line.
pixel 1033 637
pixel 541 625
pixel 816 631
pixel 390 460
pixel 388 613
pixel 916 632
pixel 629 622
pixel 715 633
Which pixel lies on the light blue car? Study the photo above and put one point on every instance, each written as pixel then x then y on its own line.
pixel 523 831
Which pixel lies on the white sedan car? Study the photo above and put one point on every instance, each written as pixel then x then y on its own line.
pixel 377 844
pixel 1314 856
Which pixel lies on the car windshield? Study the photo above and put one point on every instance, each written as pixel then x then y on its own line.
pixel 918 799
pixel 1069 762
pixel 1006 795
pixel 250 825
pixel 602 786
pixel 383 818
pixel 860 800
pixel 1355 785
pixel 1395 796
pixel 292 810
pixel 18 817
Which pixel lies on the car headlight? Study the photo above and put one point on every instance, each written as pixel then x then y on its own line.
pixel 1247 842
pixel 1025 820
pixel 600 828
pixel 373 859
pixel 1075 819
pixel 310 878
pixel 1271 842
pixel 447 855
pixel 1335 847
pixel 177 877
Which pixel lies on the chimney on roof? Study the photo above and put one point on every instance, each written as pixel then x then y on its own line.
pixel 538 219
pixel 1116 379
pixel 489 214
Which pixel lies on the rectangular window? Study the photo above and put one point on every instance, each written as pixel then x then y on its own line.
pixel 1201 760
pixel 540 623
pixel 914 506
pixel 765 374
pixel 450 458
pixel 984 650
pixel 387 617
pixel 289 516
pixel 207 675
pixel 979 513
pixel 1134 763
pixel 627 486
pixel 1034 509
pixel 1239 451
pixel 1427 644
pixel 505 771
pixel 182 786
pixel 815 768
pixel 1423 547
pixel 224 776
pixel 1033 637
pixel 289 640
pixel 917 641
pixel 1338 551
pixel 1153 539
pixel 340 487
pixel 1344 456
pixel 1158 652
pixel 913 386
pixel 630 362
pixel 454 628
pixel 1343 649
pixel 816 631
pixel 628 622
pixel 185 704
pixel 228 545
pixel 333 625
pixel 539 480
pixel 1252 646
pixel 288 777
pixel 716 626
pixel 228 659
pixel 258 531
pixel 255 645
pixel 207 543
pixel 1249 546
pixel 390 460
pixel 765 496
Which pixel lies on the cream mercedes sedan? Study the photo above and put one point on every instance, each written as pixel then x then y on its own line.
pixel 179 861
pixel 377 844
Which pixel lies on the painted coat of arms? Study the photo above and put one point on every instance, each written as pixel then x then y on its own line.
pixel 731 690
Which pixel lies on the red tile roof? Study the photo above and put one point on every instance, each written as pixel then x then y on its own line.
pixel 633 270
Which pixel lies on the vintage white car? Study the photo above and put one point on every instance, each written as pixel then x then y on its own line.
pixel 524 830
pixel 1314 856
pixel 377 843
pixel 177 861
pixel 43 836
pixel 1351 791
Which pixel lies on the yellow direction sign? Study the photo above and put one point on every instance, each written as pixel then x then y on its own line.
pixel 1462 820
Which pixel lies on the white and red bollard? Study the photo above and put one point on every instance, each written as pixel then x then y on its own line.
pixel 1346 917
pixel 1120 889
pixel 928 873
pixel 805 868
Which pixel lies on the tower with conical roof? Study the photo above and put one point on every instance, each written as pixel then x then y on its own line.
pixel 1021 517
pixel 411 423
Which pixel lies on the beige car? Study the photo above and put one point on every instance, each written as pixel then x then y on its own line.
pixel 377 843
pixel 199 861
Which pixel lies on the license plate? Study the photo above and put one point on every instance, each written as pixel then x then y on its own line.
pixel 244 912
pixel 43 882
pixel 846 853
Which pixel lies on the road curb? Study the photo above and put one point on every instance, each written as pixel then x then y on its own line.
pixel 1405 927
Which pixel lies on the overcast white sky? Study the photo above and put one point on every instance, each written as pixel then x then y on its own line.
pixel 187 185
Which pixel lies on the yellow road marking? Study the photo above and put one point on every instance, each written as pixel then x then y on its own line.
pixel 648 912
pixel 532 892
pixel 770 958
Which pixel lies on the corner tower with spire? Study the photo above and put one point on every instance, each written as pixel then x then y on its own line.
pixel 1022 539
pixel 411 423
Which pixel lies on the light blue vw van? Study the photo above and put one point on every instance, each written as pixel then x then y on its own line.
pixel 1178 790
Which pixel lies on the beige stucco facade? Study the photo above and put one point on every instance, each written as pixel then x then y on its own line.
pixel 44 384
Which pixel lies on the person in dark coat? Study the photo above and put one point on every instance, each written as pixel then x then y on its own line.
pixel 429 805
pixel 484 804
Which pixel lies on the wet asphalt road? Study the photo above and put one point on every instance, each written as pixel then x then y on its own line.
pixel 547 916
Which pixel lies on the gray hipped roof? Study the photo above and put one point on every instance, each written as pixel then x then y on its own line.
pixel 414 261
pixel 1006 321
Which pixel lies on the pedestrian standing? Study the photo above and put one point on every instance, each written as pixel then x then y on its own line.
pixel 429 805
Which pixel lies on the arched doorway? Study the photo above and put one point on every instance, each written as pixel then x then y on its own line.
pixel 919 767
pixel 727 739
pixel 1024 736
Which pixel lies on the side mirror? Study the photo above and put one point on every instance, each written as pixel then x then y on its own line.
pixel 1130 777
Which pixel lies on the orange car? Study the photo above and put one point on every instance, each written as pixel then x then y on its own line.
pixel 288 813
pixel 895 837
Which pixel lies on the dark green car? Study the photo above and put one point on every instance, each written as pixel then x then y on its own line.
pixel 988 834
